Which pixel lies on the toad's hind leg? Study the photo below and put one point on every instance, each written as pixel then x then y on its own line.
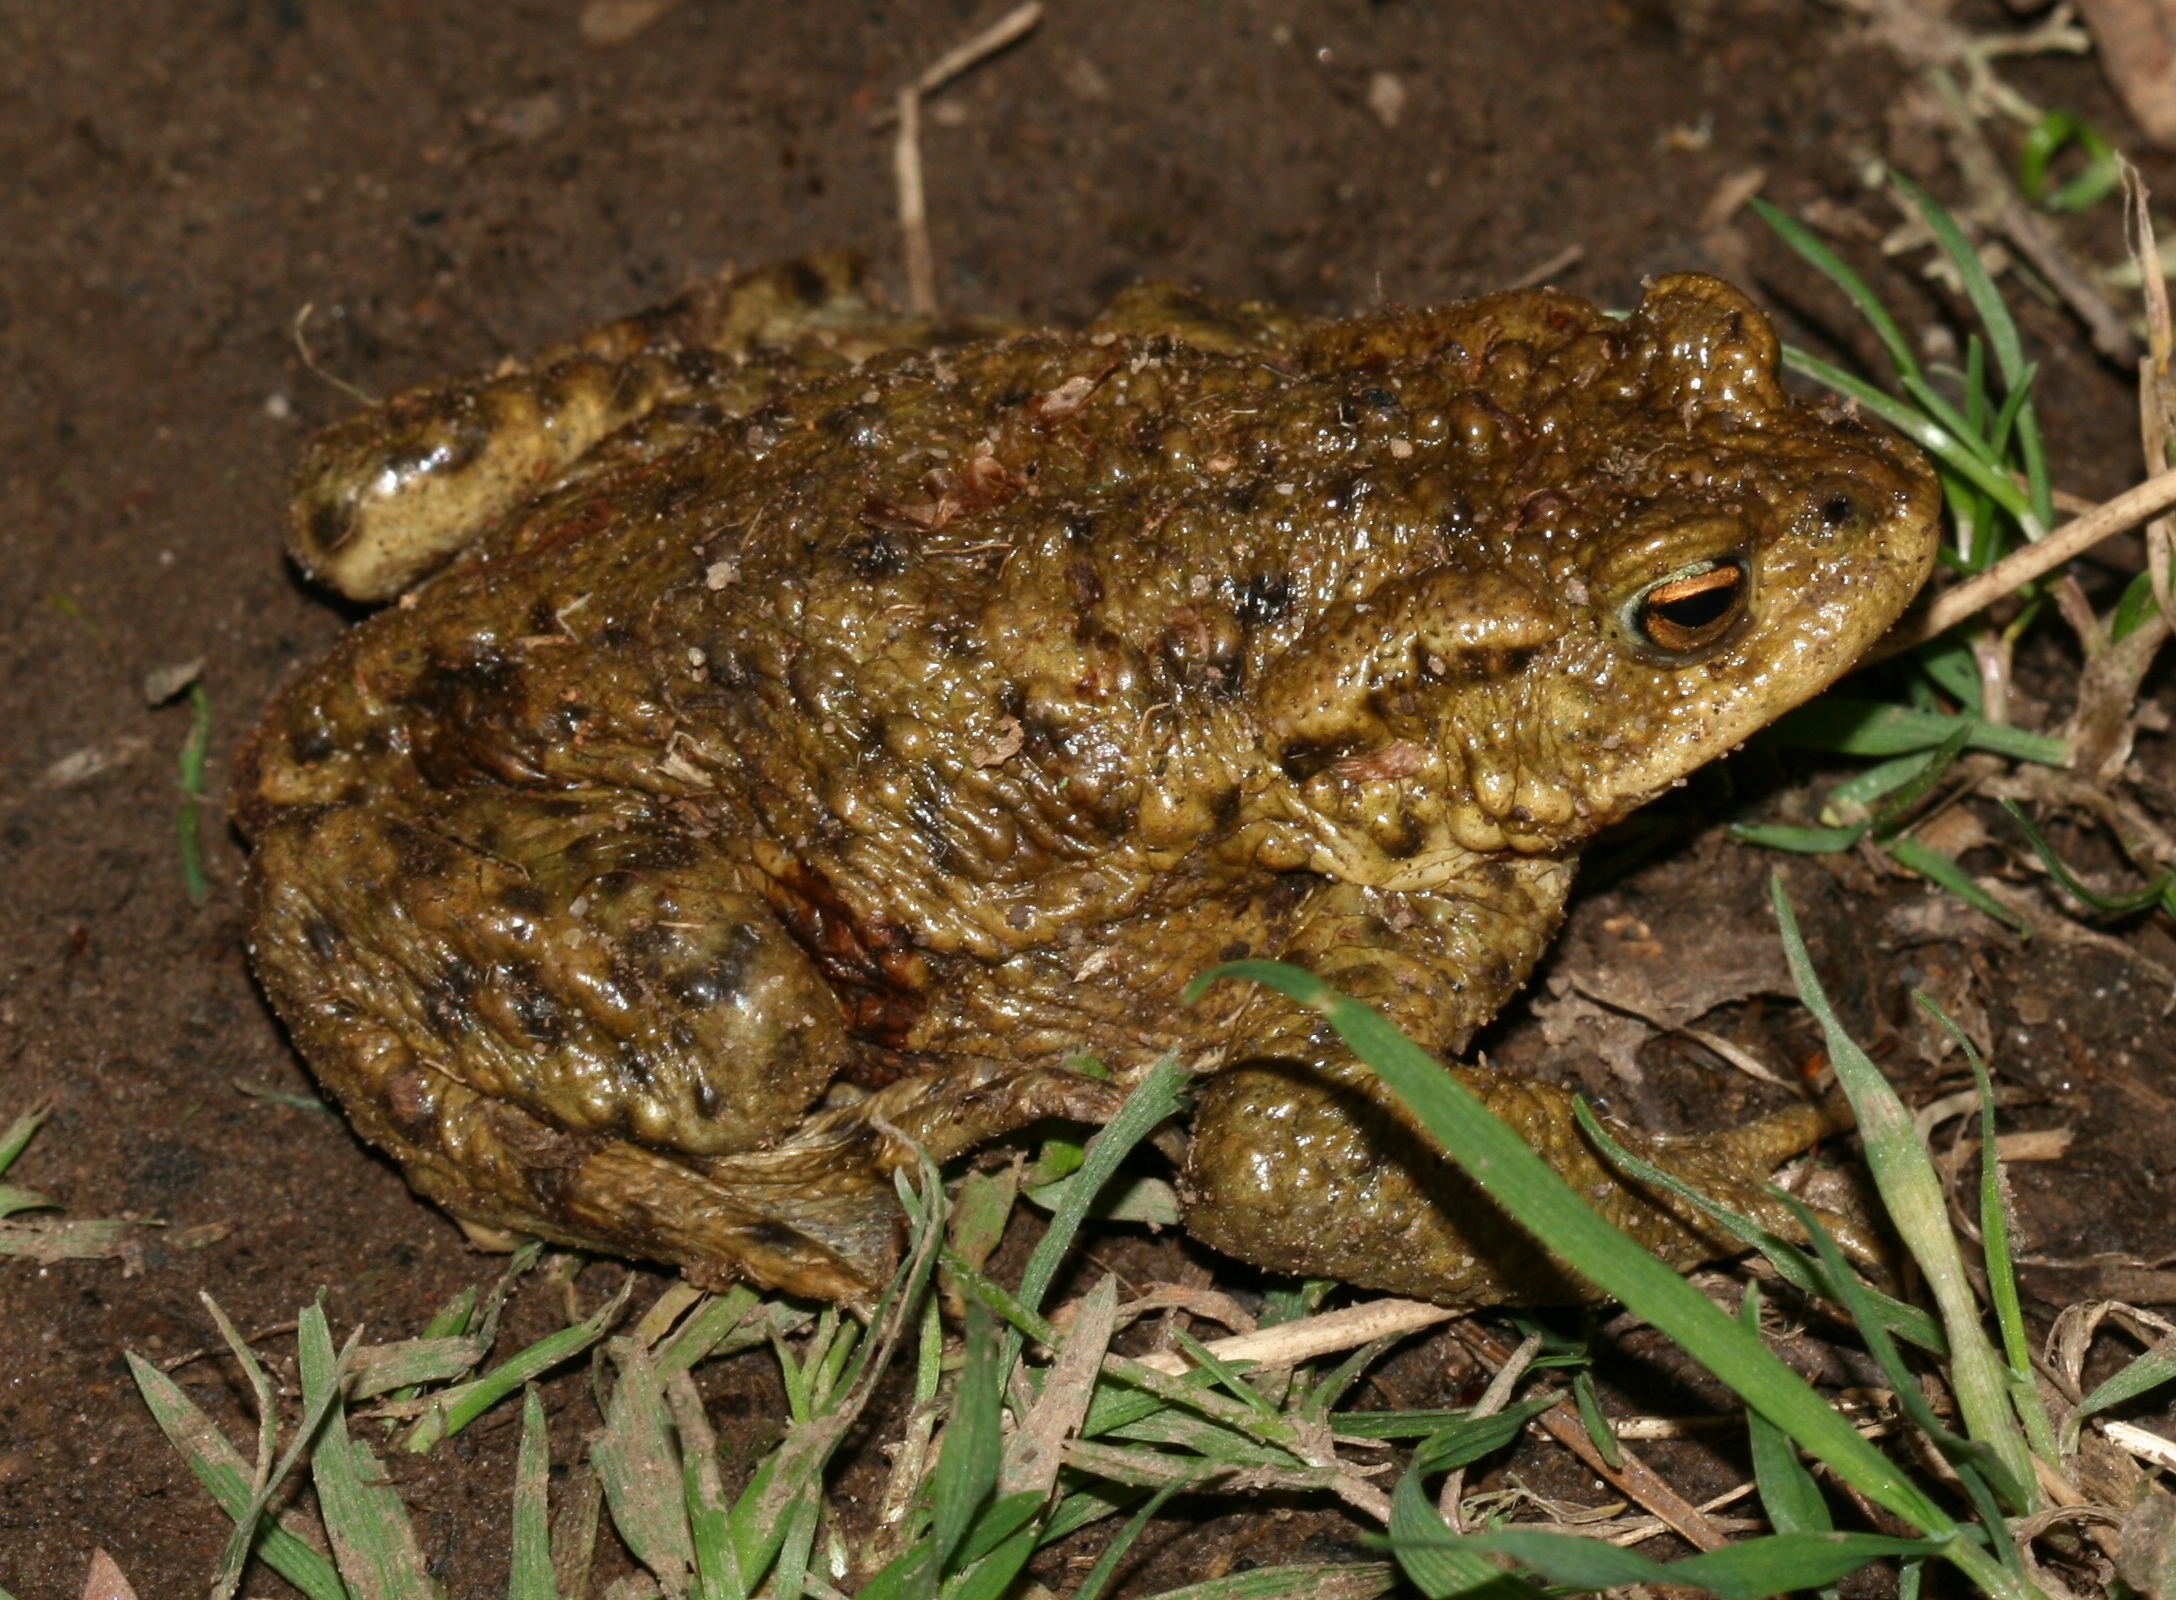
pixel 561 1016
pixel 1317 1170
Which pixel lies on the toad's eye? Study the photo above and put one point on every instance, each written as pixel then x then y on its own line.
pixel 1690 609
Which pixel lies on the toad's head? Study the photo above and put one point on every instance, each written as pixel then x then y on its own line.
pixel 1718 554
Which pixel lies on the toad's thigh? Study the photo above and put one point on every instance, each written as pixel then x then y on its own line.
pixel 609 979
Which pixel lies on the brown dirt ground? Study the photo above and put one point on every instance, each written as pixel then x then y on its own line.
pixel 449 183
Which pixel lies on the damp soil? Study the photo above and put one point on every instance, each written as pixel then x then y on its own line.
pixel 447 184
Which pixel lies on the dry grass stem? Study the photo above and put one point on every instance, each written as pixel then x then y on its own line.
pixel 1562 1423
pixel 2111 517
pixel 907 149
pixel 1493 1399
pixel 1288 1344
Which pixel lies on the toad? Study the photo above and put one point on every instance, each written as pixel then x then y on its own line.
pixel 804 731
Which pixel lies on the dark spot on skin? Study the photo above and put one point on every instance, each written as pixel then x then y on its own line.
pixel 707 1103
pixel 310 742
pixel 447 1011
pixel 1237 950
pixel 1265 597
pixel 532 1004
pixel 525 899
pixel 323 939
pixel 1406 842
pixel 1224 809
pixel 635 1068
pixel 1080 528
pixel 878 553
pixel 770 1234
pixel 869 962
pixel 332 524
pixel 411 1101
pixel 857 425
pixel 541 620
pixel 929 823
pixel 1376 399
pixel 807 283
pixel 1012 398
pixel 1087 583
pixel 422 854
pixel 1303 758
pixel 725 979
pixel 674 496
pixel 1346 491
pixel 1838 510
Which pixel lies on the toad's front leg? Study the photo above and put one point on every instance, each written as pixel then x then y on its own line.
pixel 1304 1162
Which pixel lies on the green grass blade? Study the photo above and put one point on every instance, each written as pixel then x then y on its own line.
pixel 1796 1268
pixel 1152 1100
pixel 710 1517
pixel 1918 427
pixel 217 1465
pixel 1436 1561
pixel 530 1574
pixel 372 1539
pixel 1788 1494
pixel 1955 670
pixel 392 1368
pixel 1517 1178
pixel 18 1136
pixel 1936 868
pixel 455 1409
pixel 1343 1580
pixel 967 1466
pixel 2002 338
pixel 640 1468
pixel 1882 779
pixel 1816 250
pixel 1470 1438
pixel 1228 1377
pixel 13 1199
pixel 1995 1228
pixel 188 832
pixel 2149 1371
pixel 993 1572
pixel 1798 841
pixel 1106 1567
pixel 265 1492
pixel 1753 1570
pixel 1878 728
pixel 1599 1433
pixel 1890 817
pixel 2113 905
pixel 1912 1194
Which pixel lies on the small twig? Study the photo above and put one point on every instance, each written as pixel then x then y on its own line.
pixel 2111 517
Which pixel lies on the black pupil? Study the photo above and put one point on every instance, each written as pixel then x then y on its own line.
pixel 1695 611
pixel 1836 511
